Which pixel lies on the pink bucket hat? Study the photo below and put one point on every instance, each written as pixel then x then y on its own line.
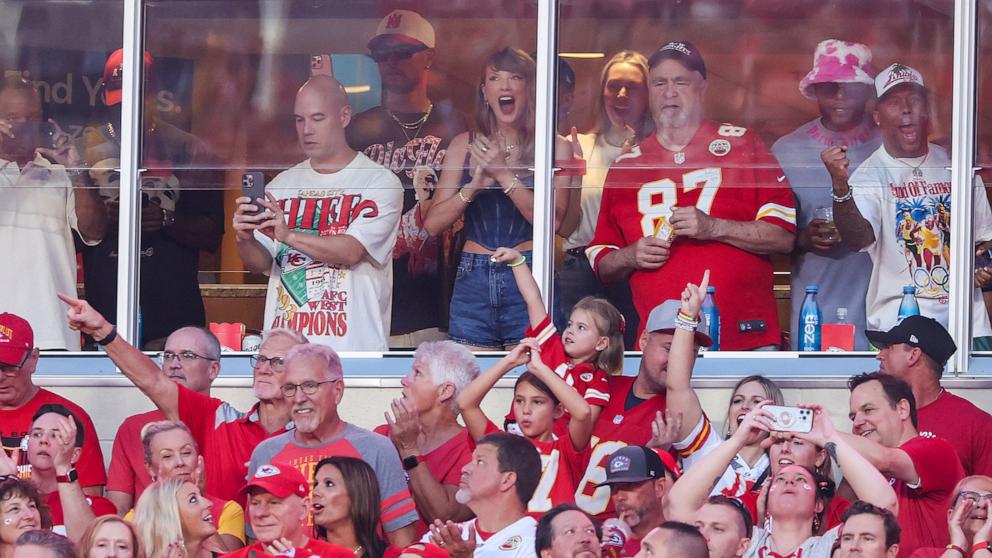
pixel 837 61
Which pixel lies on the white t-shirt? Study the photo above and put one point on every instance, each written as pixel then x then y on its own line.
pixel 910 217
pixel 738 478
pixel 813 547
pixel 345 307
pixel 516 540
pixel 37 217
pixel 599 156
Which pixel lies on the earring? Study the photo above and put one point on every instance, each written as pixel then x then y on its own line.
pixel 816 524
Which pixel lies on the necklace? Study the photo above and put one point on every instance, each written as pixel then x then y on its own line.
pixel 414 126
pixel 509 148
pixel 917 171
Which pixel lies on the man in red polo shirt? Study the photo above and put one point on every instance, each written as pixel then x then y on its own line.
pixel 922 470
pixel 278 502
pixel 20 399
pixel 226 435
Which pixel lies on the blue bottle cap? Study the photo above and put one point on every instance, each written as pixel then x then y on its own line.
pixel 811 288
pixel 909 289
pixel 710 290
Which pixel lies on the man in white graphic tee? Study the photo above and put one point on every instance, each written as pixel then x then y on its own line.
pixel 326 232
pixel 897 207
pixel 496 485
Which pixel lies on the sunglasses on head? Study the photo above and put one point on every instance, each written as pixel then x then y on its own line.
pixel 400 53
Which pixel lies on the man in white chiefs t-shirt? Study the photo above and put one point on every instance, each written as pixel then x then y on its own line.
pixel 897 207
pixel 326 232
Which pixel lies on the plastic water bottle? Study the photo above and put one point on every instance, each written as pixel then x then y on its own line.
pixel 810 322
pixel 712 314
pixel 842 316
pixel 908 306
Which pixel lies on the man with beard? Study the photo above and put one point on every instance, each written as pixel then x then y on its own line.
pixel 896 207
pixel 840 83
pixel 496 485
pixel 665 217
pixel 314 385
pixel 409 135
pixel 565 531
pixel 639 481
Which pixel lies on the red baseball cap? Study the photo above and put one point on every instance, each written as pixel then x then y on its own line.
pixel 113 76
pixel 279 480
pixel 16 339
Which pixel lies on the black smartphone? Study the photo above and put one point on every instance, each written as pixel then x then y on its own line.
pixel 253 186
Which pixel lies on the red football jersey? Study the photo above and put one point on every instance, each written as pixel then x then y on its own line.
pixel 727 173
pixel 588 380
pixel 923 510
pixel 616 428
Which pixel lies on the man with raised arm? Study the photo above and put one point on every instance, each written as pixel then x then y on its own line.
pixel 226 434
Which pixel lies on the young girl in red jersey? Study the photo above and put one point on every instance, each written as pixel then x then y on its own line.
pixel 590 348
pixel 540 397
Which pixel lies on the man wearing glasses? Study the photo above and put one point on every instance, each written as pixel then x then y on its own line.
pixel 314 387
pixel 968 521
pixel 226 435
pixel 191 359
pixel 20 399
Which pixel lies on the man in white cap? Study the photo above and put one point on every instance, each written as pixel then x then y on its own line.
pixel 897 207
pixel 409 135
pixel 840 83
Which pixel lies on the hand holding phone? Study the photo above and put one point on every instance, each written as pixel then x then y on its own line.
pixel 253 187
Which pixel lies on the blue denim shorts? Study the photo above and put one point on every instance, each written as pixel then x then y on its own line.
pixel 487 309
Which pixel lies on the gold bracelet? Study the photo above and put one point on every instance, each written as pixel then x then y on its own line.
pixel 464 199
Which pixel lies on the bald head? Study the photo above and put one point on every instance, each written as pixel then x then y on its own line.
pixel 322 112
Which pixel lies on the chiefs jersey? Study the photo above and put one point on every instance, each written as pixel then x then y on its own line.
pixel 616 428
pixel 727 173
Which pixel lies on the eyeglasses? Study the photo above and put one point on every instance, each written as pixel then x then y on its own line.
pixel 975 497
pixel 187 357
pixel 308 388
pixel 13 369
pixel 398 54
pixel 275 363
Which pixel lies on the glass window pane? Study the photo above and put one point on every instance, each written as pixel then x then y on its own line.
pixel 983 160
pixel 53 218
pixel 379 242
pixel 740 100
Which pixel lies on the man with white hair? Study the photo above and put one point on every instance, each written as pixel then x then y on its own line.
pixel 226 434
pixel 424 427
pixel 314 386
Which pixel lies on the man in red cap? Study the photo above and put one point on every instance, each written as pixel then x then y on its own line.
pixel 20 399
pixel 278 505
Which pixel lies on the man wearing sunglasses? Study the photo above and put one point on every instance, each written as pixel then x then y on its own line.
pixel 226 434
pixel 191 359
pixel 314 388
pixel 20 399
pixel 409 135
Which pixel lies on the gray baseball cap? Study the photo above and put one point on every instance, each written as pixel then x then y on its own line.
pixel 662 318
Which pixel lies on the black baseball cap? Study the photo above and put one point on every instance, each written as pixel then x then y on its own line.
pixel 918 331
pixel 682 51
pixel 634 464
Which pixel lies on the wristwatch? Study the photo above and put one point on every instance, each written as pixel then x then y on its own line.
pixel 410 462
pixel 69 477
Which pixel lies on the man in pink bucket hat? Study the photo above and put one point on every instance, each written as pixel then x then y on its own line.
pixel 840 83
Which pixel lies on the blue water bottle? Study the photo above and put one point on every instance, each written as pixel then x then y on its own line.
pixel 712 314
pixel 810 321
pixel 909 306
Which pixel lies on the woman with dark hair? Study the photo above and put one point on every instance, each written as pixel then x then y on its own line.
pixel 345 504
pixel 21 510
pixel 487 181
pixel 624 119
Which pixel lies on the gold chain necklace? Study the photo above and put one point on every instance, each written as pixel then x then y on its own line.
pixel 415 126
pixel 917 171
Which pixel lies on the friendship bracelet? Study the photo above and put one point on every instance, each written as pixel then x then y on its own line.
pixel 522 261
pixel 845 197
pixel 464 199
pixel 687 326
pixel 108 339
pixel 983 545
pixel 687 317
pixel 513 185
pixel 957 549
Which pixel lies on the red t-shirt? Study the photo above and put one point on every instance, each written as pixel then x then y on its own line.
pixel 226 437
pixel 15 424
pixel 923 510
pixel 964 426
pixel 616 428
pixel 99 505
pixel 314 547
pixel 127 472
pixel 726 172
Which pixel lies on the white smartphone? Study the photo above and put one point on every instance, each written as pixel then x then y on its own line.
pixel 790 419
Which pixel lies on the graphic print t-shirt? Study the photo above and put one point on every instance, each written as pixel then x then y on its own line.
pixel 911 218
pixel 345 307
